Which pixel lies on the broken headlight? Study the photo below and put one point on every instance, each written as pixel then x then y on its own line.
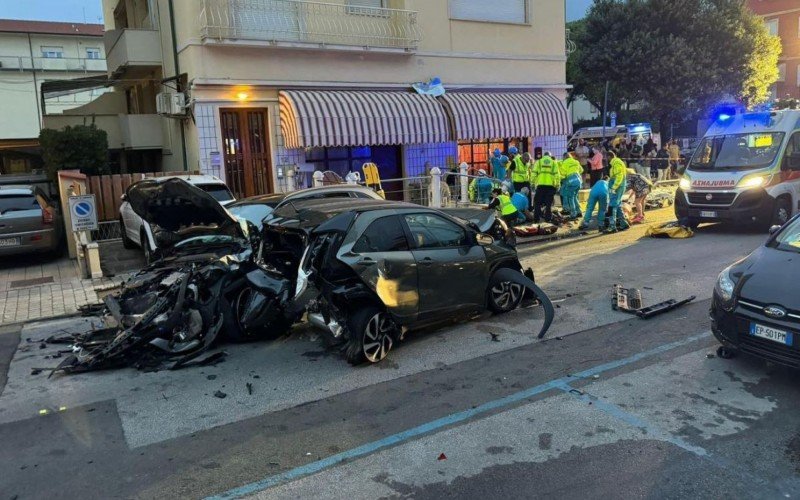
pixel 724 288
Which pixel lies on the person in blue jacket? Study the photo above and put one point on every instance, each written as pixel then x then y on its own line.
pixel 499 163
pixel 597 196
pixel 521 200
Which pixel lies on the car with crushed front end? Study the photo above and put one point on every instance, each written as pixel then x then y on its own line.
pixel 368 271
pixel 755 307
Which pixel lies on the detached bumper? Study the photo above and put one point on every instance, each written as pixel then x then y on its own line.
pixel 751 206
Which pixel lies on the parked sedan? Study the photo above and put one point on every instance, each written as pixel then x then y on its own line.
pixel 755 307
pixel 137 232
pixel 29 221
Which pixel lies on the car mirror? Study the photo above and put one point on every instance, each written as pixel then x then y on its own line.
pixel 774 229
pixel 124 197
pixel 484 240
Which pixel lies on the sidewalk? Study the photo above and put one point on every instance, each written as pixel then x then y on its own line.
pixel 33 288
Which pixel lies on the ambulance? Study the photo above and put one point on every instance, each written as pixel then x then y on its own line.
pixel 745 170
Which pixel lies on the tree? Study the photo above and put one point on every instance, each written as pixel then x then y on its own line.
pixel 676 57
pixel 82 147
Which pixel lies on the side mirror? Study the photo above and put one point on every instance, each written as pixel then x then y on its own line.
pixel 124 197
pixel 484 240
pixel 774 229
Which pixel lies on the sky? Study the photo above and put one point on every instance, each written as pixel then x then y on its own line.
pixel 90 10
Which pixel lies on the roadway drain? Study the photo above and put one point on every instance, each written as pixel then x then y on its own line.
pixel 32 282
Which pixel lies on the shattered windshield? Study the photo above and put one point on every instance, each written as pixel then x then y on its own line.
pixel 737 151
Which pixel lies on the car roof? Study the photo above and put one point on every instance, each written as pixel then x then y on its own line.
pixel 16 189
pixel 308 214
pixel 191 179
pixel 263 199
pixel 335 188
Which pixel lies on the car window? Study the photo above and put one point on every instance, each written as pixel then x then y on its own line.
pixel 254 213
pixel 433 231
pixel 359 194
pixel 18 202
pixel 218 191
pixel 383 235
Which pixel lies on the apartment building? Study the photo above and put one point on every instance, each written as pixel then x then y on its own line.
pixel 266 92
pixel 782 17
pixel 33 53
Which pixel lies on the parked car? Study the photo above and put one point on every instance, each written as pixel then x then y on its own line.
pixel 755 308
pixel 351 191
pixel 29 221
pixel 137 232
pixel 367 271
pixel 256 208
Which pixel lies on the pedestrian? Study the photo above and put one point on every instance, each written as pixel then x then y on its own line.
pixel 502 202
pixel 617 187
pixel 547 180
pixel 640 187
pixel 582 152
pixel 598 197
pixel 635 158
pixel 480 189
pixel 662 163
pixel 499 164
pixel 571 173
pixel 520 169
pixel 595 166
pixel 649 146
pixel 521 201
pixel 674 157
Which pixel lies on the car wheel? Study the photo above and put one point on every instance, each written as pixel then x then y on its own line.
pixel 372 335
pixel 781 213
pixel 504 296
pixel 127 243
pixel 235 331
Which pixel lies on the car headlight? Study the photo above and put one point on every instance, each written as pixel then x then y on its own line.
pixel 724 288
pixel 685 183
pixel 753 181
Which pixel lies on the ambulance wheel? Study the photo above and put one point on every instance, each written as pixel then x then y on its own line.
pixel 781 213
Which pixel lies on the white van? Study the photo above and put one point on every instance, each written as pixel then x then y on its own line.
pixel 594 135
pixel 746 169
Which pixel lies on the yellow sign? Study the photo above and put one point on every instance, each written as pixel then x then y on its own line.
pixel 763 141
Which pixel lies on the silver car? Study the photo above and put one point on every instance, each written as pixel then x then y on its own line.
pixel 29 221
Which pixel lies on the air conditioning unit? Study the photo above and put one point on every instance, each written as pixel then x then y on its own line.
pixel 171 103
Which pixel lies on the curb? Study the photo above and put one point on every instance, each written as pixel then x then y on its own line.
pixel 47 318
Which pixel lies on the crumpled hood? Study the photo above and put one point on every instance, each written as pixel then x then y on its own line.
pixel 175 205
pixel 770 275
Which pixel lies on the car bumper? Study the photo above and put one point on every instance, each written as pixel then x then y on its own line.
pixel 753 205
pixel 732 328
pixel 31 242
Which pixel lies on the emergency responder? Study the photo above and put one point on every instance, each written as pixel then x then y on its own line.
pixel 547 180
pixel 499 163
pixel 521 200
pixel 617 186
pixel 502 202
pixel 480 189
pixel 597 196
pixel 520 169
pixel 571 173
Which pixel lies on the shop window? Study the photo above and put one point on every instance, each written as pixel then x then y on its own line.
pixel 52 52
pixel 341 160
pixel 476 154
pixel 501 11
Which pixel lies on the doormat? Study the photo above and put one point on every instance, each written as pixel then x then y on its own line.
pixel 32 282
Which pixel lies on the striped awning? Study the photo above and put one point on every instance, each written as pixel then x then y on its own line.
pixel 489 115
pixel 314 118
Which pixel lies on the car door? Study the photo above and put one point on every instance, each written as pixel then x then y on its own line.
pixel 452 267
pixel 377 249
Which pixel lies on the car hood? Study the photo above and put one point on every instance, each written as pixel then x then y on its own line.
pixel 769 276
pixel 175 205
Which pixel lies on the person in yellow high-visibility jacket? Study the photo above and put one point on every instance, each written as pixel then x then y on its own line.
pixel 547 179
pixel 520 167
pixel 502 202
pixel 617 185
pixel 571 181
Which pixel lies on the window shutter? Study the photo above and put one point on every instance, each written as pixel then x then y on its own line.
pixel 498 11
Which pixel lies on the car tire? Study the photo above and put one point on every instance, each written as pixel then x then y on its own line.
pixel 372 333
pixel 781 213
pixel 127 243
pixel 503 296
pixel 692 224
pixel 236 332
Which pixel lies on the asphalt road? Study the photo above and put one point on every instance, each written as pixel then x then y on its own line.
pixel 607 405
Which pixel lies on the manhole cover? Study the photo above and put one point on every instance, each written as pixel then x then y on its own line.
pixel 32 282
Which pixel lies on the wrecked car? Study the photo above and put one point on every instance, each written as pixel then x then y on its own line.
pixel 366 272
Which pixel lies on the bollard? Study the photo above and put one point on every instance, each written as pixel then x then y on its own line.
pixel 318 176
pixel 435 193
pixel 462 171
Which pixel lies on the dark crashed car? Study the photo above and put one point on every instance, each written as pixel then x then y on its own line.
pixel 368 271
pixel 755 307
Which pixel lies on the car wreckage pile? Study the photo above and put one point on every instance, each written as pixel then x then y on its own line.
pixel 326 260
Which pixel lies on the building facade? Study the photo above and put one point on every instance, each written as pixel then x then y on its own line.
pixel 265 92
pixel 782 17
pixel 33 53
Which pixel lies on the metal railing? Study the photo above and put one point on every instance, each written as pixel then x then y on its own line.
pixel 109 230
pixel 304 22
pixel 570 45
pixel 72 64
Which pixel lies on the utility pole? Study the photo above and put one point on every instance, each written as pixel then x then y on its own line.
pixel 605 111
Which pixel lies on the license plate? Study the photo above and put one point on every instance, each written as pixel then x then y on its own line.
pixel 772 334
pixel 9 242
pixel 708 214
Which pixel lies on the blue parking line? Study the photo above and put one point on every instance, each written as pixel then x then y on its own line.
pixel 438 424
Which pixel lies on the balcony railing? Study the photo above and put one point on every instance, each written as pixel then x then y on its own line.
pixel 71 64
pixel 129 48
pixel 303 23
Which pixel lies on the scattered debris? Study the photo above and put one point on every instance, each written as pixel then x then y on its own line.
pixel 595 377
pixel 442 456
pixel 249 388
pixel 220 395
pixel 629 300
pixel 495 337
pixel 36 371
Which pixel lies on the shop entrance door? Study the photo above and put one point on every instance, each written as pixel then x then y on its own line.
pixel 245 143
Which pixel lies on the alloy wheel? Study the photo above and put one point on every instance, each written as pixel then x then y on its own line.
pixel 506 295
pixel 378 337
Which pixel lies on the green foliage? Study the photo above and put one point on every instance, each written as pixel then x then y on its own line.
pixel 675 56
pixel 81 147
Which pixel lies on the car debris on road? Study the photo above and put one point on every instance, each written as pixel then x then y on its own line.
pixel 629 300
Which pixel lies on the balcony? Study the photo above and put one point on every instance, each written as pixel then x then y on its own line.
pixel 55 64
pixel 132 50
pixel 304 24
pixel 142 131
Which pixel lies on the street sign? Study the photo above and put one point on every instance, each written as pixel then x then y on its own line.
pixel 83 212
pixel 613 119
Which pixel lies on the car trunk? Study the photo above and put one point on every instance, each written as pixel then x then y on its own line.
pixel 19 213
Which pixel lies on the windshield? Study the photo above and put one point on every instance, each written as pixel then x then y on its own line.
pixel 789 239
pixel 737 151
pixel 252 213
pixel 18 202
pixel 218 191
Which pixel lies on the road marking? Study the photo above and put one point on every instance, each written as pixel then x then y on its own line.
pixel 438 424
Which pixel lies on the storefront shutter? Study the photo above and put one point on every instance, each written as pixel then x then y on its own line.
pixel 499 11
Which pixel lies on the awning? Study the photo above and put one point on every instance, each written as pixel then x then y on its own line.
pixel 490 115
pixel 315 118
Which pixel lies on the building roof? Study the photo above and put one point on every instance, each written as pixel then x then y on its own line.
pixel 50 28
